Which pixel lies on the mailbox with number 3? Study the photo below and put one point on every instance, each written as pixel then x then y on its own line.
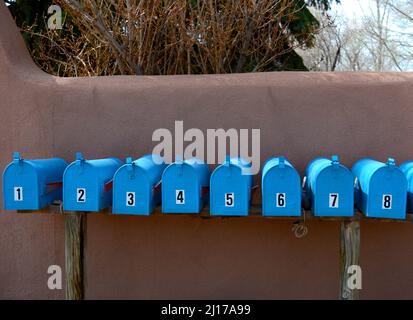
pixel 137 185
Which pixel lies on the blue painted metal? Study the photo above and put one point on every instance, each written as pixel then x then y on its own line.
pixel 231 185
pixel 330 188
pixel 137 185
pixel 32 184
pixel 407 169
pixel 281 188
pixel 185 186
pixel 381 189
pixel 87 184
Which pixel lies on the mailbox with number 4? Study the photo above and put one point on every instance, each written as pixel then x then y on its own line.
pixel 137 185
pixel 87 184
pixel 407 169
pixel 281 188
pixel 185 186
pixel 32 184
pixel 231 184
pixel 330 188
pixel 381 189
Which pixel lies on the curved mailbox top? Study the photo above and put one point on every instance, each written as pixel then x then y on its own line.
pixel 101 165
pixel 318 165
pixel 365 169
pixel 407 168
pixel 150 165
pixel 244 167
pixel 271 163
pixel 200 169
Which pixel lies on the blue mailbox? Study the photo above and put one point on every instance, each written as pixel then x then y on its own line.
pixel 381 189
pixel 32 184
pixel 137 185
pixel 87 184
pixel 330 188
pixel 185 186
pixel 231 184
pixel 281 188
pixel 407 169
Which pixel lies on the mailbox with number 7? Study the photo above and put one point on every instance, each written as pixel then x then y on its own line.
pixel 32 184
pixel 231 185
pixel 137 185
pixel 185 186
pixel 87 184
pixel 381 189
pixel 329 188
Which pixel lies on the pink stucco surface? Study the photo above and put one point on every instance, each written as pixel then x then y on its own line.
pixel 301 116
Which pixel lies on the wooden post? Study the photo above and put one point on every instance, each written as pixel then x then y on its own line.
pixel 75 239
pixel 349 256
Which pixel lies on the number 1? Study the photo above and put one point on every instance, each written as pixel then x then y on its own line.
pixel 18 193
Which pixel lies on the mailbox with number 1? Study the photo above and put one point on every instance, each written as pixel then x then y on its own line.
pixel 381 189
pixel 330 188
pixel 87 184
pixel 185 186
pixel 137 185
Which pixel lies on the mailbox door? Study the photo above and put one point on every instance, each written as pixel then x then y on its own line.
pixel 281 192
pixel 180 190
pixel 132 193
pixel 387 195
pixel 230 193
pixel 21 187
pixel 81 189
pixel 334 193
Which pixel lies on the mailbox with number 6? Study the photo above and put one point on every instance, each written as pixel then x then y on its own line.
pixel 32 184
pixel 231 184
pixel 330 188
pixel 185 186
pixel 137 185
pixel 407 169
pixel 281 188
pixel 87 184
pixel 381 189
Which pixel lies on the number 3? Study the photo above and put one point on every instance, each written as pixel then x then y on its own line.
pixel 130 199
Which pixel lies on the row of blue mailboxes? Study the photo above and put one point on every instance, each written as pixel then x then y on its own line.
pixel 378 189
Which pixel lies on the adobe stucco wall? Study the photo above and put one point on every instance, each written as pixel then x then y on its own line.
pixel 301 115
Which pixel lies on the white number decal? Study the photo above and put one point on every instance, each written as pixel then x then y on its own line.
pixel 281 203
pixel 81 195
pixel 333 200
pixel 386 201
pixel 130 199
pixel 180 196
pixel 18 193
pixel 229 199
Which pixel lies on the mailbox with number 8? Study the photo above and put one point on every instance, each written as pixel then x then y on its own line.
pixel 381 189
pixel 87 184
pixel 185 186
pixel 231 185
pixel 32 184
pixel 137 185
pixel 330 188
pixel 281 188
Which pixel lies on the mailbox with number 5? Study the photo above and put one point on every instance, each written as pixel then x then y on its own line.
pixel 137 185
pixel 329 187
pixel 231 185
pixel 185 186
pixel 87 184
pixel 32 184
pixel 381 189
pixel 281 188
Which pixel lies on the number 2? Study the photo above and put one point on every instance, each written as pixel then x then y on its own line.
pixel 81 195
